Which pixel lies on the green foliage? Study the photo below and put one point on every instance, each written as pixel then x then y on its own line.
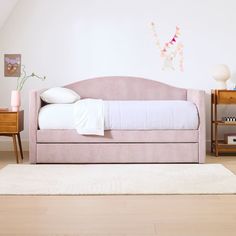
pixel 24 77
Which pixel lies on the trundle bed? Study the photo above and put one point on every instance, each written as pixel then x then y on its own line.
pixel 159 145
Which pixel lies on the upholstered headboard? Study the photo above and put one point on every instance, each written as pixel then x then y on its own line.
pixel 127 88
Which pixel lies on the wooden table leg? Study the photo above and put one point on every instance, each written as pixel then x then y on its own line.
pixel 20 146
pixel 15 147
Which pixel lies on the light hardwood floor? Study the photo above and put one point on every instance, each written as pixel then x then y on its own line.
pixel 173 215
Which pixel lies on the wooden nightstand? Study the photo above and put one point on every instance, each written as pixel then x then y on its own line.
pixel 11 124
pixel 221 97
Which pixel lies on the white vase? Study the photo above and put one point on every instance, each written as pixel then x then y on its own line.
pixel 221 74
pixel 15 100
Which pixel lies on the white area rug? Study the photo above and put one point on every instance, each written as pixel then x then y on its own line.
pixel 117 179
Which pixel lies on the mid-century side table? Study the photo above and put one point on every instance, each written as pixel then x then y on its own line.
pixel 11 124
pixel 221 97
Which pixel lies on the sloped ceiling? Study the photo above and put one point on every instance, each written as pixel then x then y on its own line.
pixel 6 6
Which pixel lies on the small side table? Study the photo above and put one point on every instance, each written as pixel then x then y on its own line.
pixel 11 124
pixel 221 98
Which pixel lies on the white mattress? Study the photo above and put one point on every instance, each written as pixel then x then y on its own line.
pixel 127 115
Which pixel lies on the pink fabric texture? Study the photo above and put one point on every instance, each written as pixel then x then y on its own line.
pixel 121 136
pixel 157 146
pixel 127 88
pixel 198 97
pixel 118 153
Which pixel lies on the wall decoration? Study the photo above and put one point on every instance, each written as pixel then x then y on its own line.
pixel 21 80
pixel 12 65
pixel 172 51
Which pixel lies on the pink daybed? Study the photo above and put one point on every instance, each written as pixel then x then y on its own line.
pixel 120 146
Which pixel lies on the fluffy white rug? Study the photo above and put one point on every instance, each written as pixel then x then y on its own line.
pixel 117 179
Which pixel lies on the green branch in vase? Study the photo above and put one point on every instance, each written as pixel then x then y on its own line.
pixel 24 77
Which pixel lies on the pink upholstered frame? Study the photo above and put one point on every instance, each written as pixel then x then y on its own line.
pixel 120 146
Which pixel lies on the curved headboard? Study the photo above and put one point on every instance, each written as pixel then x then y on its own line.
pixel 127 88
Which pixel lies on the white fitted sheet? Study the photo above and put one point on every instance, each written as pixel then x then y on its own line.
pixel 127 115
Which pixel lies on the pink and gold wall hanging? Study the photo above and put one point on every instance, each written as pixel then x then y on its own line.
pixel 171 51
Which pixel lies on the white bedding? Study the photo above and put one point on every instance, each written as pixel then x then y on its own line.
pixel 127 115
pixel 88 116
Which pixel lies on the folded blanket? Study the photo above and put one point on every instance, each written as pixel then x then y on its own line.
pixel 89 116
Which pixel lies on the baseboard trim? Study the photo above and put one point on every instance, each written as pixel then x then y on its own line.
pixel 208 145
pixel 7 145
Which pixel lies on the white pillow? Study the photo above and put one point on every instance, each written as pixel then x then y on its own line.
pixel 59 95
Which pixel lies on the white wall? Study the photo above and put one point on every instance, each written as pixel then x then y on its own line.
pixel 6 7
pixel 70 40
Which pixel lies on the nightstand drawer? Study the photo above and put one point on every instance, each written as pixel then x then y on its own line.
pixel 11 117
pixel 226 97
pixel 8 127
pixel 11 122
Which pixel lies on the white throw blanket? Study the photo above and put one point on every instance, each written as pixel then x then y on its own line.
pixel 89 116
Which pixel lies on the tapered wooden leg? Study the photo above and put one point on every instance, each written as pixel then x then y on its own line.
pixel 20 146
pixel 15 147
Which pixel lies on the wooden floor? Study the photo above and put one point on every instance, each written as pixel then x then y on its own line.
pixel 175 215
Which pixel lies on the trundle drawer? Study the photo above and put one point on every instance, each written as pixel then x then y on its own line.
pixel 118 153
